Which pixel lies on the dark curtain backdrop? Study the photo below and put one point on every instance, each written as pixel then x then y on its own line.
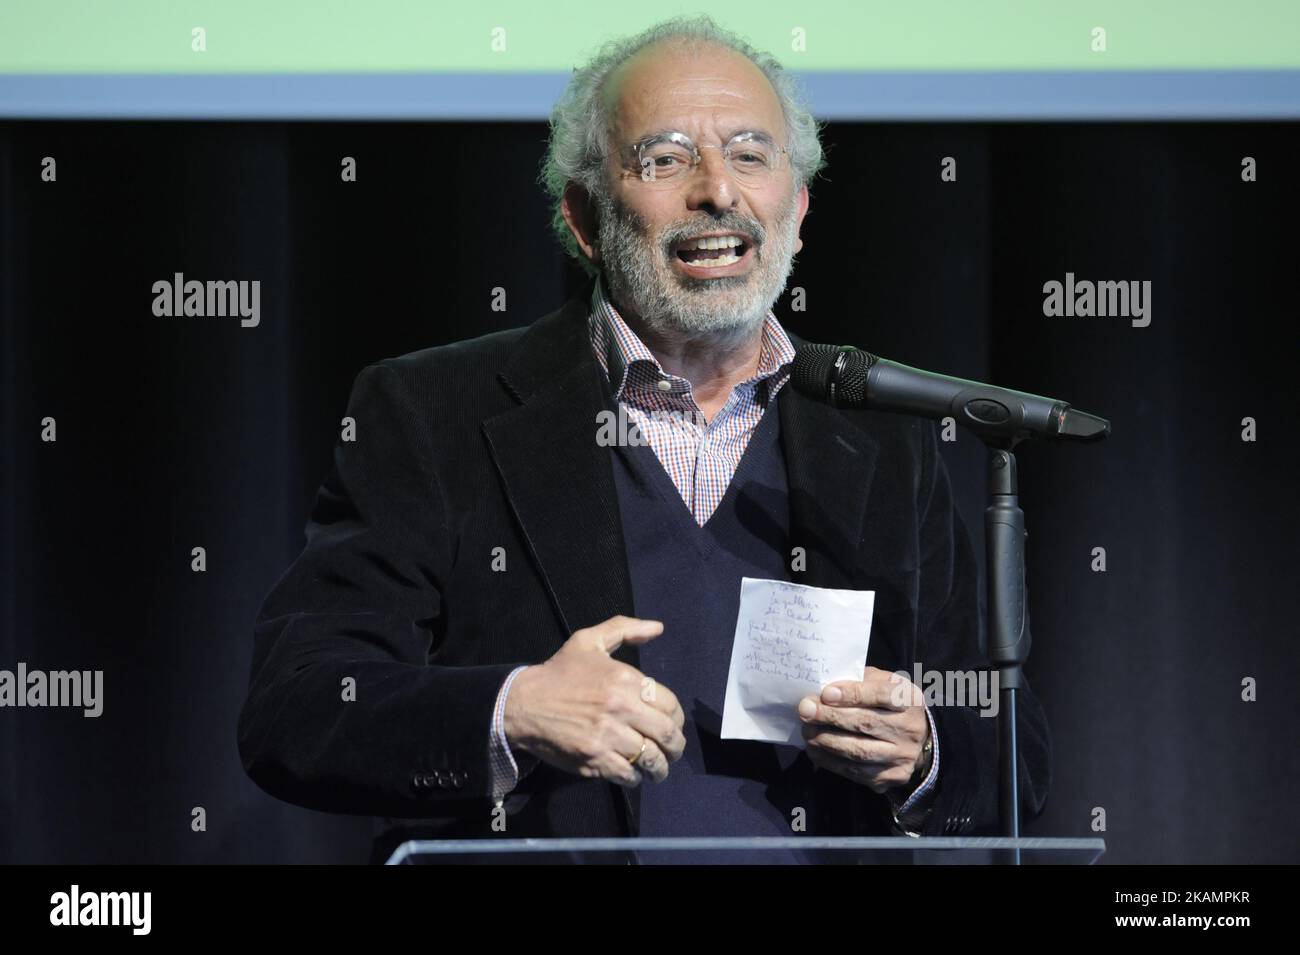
pixel 184 432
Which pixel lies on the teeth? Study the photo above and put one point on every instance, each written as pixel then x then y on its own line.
pixel 715 242
pixel 719 262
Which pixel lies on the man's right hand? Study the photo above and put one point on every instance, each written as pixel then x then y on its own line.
pixel 589 714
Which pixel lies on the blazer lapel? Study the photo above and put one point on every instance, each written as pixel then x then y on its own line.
pixel 829 468
pixel 559 481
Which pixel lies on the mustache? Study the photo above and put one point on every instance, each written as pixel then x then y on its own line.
pixel 751 230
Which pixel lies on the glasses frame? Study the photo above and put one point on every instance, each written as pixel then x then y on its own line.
pixel 637 150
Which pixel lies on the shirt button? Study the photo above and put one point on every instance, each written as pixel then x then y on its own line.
pixel 665 384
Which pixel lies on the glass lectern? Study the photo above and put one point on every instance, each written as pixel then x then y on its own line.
pixel 812 850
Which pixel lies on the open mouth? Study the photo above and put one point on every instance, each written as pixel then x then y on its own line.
pixel 714 251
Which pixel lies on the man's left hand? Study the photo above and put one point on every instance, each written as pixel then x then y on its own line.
pixel 871 732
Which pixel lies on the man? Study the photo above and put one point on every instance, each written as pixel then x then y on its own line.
pixel 506 622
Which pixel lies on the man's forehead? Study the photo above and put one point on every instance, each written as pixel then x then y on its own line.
pixel 714 91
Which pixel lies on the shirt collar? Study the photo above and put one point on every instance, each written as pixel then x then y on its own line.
pixel 630 365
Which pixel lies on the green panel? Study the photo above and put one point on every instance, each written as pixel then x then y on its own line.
pixel 148 36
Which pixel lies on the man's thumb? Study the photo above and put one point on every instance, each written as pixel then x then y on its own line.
pixel 616 631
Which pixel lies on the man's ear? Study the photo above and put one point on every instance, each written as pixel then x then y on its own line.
pixel 802 199
pixel 579 211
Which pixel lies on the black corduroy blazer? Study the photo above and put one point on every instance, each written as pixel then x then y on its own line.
pixel 379 654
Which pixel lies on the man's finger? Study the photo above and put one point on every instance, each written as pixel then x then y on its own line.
pixel 632 755
pixel 853 746
pixel 877 688
pixel 660 728
pixel 865 774
pixel 874 721
pixel 653 762
pixel 618 770
pixel 660 697
pixel 608 635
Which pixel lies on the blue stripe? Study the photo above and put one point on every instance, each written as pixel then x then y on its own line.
pixel 1078 95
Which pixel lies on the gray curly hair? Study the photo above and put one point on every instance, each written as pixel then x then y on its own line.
pixel 579 122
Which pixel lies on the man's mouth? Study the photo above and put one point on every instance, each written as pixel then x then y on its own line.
pixel 714 251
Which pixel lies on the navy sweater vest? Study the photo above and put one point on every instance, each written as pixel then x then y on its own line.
pixel 689 577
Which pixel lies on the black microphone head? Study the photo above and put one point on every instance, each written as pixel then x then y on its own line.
pixel 833 373
pixel 811 374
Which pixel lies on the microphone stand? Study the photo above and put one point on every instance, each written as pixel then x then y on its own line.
pixel 844 375
pixel 1008 621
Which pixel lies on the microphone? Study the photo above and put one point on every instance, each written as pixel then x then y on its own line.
pixel 848 377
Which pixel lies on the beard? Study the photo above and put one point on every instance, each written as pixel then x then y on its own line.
pixel 638 269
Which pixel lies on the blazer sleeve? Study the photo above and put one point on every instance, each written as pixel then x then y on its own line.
pixel 951 625
pixel 344 713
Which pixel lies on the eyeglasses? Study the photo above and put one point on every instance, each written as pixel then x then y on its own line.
pixel 671 157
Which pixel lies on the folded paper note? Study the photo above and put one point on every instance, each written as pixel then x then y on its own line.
pixel 791 640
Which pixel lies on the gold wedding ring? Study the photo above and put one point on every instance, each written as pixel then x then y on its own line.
pixel 644 743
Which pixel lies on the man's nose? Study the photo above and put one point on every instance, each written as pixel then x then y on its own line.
pixel 712 187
